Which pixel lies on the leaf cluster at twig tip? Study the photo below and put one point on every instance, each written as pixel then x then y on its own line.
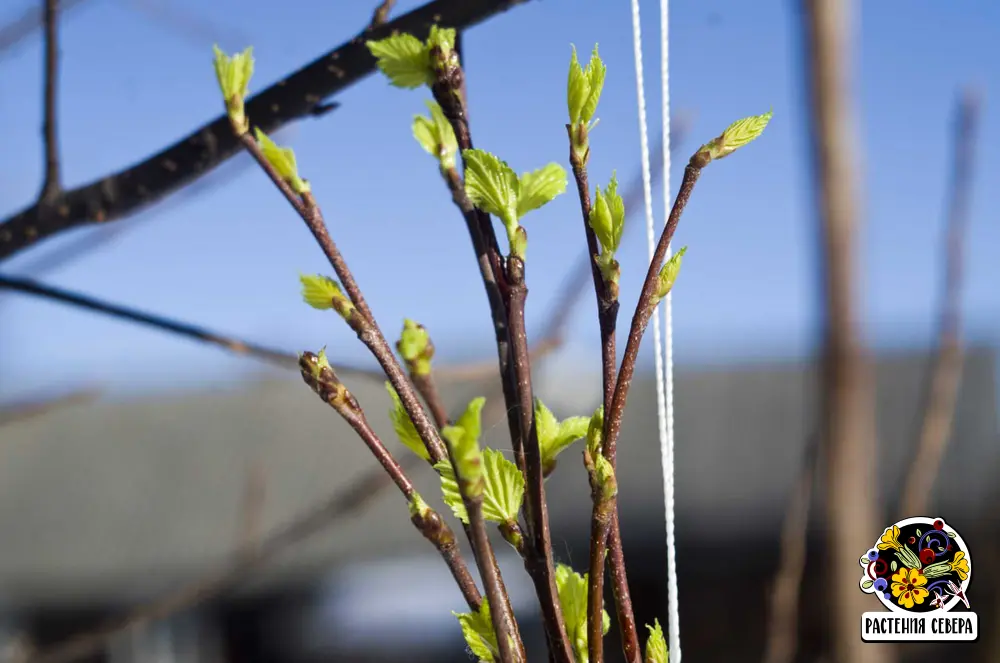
pixel 415 348
pixel 736 135
pixel 463 442
pixel 607 220
pixel 583 92
pixel 406 61
pixel 233 73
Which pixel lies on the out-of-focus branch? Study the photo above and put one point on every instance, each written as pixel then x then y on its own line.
pixel 848 407
pixel 51 186
pixel 294 97
pixel 16 31
pixel 946 372
pixel 17 412
pixel 340 505
pixel 381 14
pixel 783 620
pixel 277 357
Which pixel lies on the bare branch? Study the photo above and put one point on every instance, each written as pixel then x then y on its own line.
pixel 783 620
pixel 946 373
pixel 291 98
pixel 276 357
pixel 51 186
pixel 16 31
pixel 848 406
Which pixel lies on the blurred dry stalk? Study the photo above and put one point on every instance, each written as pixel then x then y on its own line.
pixel 848 413
pixel 946 370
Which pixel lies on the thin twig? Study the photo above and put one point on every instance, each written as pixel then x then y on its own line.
pixel 51 186
pixel 783 618
pixel 506 291
pixel 238 346
pixel 942 385
pixel 294 97
pixel 24 26
pixel 341 504
pixel 328 387
pixel 848 405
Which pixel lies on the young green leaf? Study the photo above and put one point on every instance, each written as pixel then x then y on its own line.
pixel 322 292
pixel 415 348
pixel 492 186
pixel 233 73
pixel 656 645
pixel 572 590
pixel 436 135
pixel 583 90
pixel 595 432
pixel 282 159
pixel 539 187
pixel 604 477
pixel 554 436
pixel 502 494
pixel 463 442
pixel 442 39
pixel 403 425
pixel 403 59
pixel 737 135
pixel 607 216
pixel 477 629
pixel 668 274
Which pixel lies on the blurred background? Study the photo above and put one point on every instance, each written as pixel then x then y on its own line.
pixel 134 462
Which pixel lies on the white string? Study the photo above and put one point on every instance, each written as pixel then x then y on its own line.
pixel 664 375
pixel 667 440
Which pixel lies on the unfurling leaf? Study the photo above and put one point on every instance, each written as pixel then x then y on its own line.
pixel 282 159
pixel 442 39
pixel 436 135
pixel 415 348
pixel 572 590
pixel 607 219
pixel 584 87
pixel 736 135
pixel 233 73
pixel 554 436
pixel 492 186
pixel 668 274
pixel 595 432
pixel 403 425
pixel 477 629
pixel 404 59
pixel 656 645
pixel 463 442
pixel 539 187
pixel 322 292
pixel 503 489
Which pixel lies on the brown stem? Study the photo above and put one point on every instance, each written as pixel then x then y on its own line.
pixel 51 186
pixel 303 526
pixel 427 389
pixel 271 355
pixel 449 92
pixel 539 561
pixel 847 400
pixel 324 382
pixel 643 311
pixel 600 525
pixel 942 386
pixel 619 586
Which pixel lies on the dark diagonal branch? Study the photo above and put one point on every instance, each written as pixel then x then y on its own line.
pixel 271 355
pixel 17 30
pixel 293 97
pixel 946 371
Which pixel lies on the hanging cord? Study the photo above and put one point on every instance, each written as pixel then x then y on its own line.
pixel 667 423
pixel 664 375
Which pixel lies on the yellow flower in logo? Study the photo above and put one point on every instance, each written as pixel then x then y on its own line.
pixel 908 587
pixel 960 565
pixel 890 539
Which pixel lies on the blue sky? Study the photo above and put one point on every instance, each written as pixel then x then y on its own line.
pixel 229 257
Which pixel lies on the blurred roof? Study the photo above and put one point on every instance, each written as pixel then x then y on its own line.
pixel 131 497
